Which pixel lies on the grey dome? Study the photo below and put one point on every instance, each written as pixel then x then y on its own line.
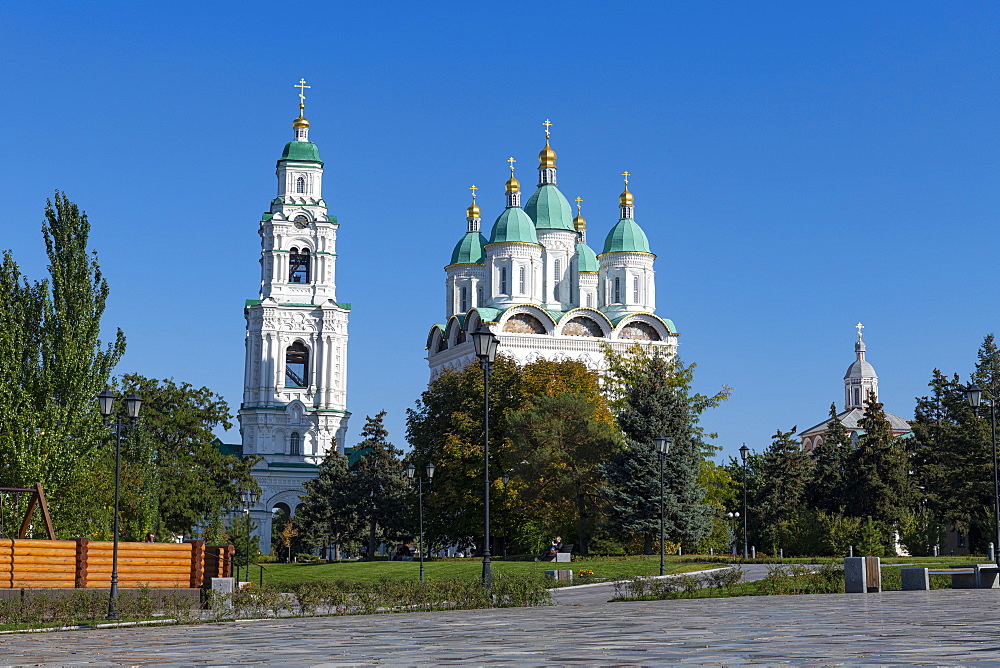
pixel 860 369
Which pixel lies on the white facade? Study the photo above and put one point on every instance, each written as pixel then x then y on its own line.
pixel 547 294
pixel 294 406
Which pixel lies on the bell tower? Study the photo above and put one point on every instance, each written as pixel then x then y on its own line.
pixel 294 406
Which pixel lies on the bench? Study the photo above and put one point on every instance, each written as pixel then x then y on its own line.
pixel 564 555
pixel 971 576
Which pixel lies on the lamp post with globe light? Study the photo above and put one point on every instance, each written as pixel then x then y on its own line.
pixel 105 404
pixel 485 343
pixel 411 471
pixel 974 395
pixel 663 444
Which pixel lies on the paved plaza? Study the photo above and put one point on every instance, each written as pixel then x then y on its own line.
pixel 943 627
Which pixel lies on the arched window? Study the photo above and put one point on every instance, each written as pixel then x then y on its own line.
pixel 503 280
pixel 298 266
pixel 465 300
pixel 589 300
pixel 556 274
pixel 296 365
pixel 857 396
pixel 294 444
pixel 520 278
pixel 618 290
pixel 635 290
pixel 300 185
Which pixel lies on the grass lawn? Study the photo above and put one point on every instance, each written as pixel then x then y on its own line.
pixel 364 571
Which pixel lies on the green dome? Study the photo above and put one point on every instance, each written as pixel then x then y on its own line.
pixel 469 249
pixel 549 209
pixel 626 236
pixel 301 150
pixel 586 260
pixel 513 225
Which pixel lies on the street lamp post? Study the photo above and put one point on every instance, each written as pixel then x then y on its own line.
pixel 974 394
pixel 744 451
pixel 105 402
pixel 506 513
pixel 486 350
pixel 410 472
pixel 663 444
pixel 250 499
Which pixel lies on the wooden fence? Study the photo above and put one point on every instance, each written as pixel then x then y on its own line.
pixel 84 563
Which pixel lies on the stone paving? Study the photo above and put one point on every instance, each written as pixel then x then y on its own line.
pixel 942 627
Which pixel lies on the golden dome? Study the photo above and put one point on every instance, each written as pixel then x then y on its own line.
pixel 513 185
pixel 580 223
pixel 300 122
pixel 547 157
pixel 626 198
pixel 472 211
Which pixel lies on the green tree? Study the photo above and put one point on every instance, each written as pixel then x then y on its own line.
pixel 54 365
pixel 879 473
pixel 828 489
pixel 331 513
pixel 381 485
pixel 565 444
pixel 180 469
pixel 787 471
pixel 652 395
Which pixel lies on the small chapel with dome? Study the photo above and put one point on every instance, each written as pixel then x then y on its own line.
pixel 860 383
pixel 538 285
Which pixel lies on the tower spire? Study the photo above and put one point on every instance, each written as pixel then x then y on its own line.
pixel 472 214
pixel 625 200
pixel 547 159
pixel 513 186
pixel 300 124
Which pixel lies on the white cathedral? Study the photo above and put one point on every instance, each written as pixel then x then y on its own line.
pixel 538 286
pixel 294 406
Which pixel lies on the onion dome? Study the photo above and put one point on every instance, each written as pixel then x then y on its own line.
pixel 473 211
pixel 549 209
pixel 860 368
pixel 469 249
pixel 586 259
pixel 513 225
pixel 626 237
pixel 300 122
pixel 301 151
pixel 547 157
pixel 513 185
pixel 626 199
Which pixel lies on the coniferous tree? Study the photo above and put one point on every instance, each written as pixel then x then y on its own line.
pixel 787 473
pixel 654 398
pixel 828 490
pixel 381 485
pixel 879 473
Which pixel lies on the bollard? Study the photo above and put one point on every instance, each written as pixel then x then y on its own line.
pixel 711 551
pixel 753 551
pixel 850 551
pixel 679 551
pixel 781 553
pixel 991 551
pixel 937 551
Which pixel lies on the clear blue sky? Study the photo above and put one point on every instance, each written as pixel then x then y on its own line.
pixel 797 168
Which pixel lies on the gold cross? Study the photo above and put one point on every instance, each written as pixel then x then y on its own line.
pixel 473 188
pixel 301 85
pixel 511 160
pixel 547 124
pixel 578 200
pixel 626 175
pixel 859 327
